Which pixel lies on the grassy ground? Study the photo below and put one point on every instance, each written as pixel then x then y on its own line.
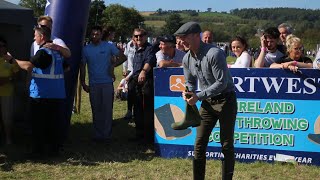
pixel 157 24
pixel 123 159
pixel 146 13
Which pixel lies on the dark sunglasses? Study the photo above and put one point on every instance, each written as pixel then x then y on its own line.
pixel 299 49
pixel 140 35
pixel 3 45
pixel 40 26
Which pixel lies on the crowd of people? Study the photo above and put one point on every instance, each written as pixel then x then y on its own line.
pixel 189 47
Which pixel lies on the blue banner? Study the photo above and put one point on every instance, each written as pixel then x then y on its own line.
pixel 277 114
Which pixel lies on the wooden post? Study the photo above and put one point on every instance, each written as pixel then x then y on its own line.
pixel 78 96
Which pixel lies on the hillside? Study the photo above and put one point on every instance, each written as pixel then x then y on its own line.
pixel 245 22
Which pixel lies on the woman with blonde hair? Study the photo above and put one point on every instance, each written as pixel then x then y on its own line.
pixel 295 58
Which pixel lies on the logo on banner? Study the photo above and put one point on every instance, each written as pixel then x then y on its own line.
pixel 48 3
pixel 47 7
pixel 315 138
pixel 177 83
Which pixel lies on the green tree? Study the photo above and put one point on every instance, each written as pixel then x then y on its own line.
pixel 95 14
pixel 173 22
pixel 219 35
pixel 159 11
pixel 246 31
pixel 123 19
pixel 310 38
pixel 38 6
pixel 254 42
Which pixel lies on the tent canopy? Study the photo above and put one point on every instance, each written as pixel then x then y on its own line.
pixel 16 24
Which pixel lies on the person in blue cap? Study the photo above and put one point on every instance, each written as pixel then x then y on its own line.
pixel 207 64
pixel 169 55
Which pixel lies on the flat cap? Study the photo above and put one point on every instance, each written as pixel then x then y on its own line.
pixel 188 28
pixel 168 38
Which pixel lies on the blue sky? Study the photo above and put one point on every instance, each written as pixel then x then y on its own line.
pixel 216 5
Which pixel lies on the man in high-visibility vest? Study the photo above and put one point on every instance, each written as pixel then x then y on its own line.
pixel 47 91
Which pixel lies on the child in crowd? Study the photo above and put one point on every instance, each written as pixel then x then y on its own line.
pixel 122 90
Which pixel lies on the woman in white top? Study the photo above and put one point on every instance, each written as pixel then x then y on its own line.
pixel 239 47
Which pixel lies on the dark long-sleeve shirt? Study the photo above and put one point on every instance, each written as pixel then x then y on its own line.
pixel 41 59
pixel 144 55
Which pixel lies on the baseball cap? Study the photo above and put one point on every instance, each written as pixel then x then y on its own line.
pixel 168 38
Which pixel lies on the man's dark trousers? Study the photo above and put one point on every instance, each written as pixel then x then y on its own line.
pixel 222 108
pixel 143 110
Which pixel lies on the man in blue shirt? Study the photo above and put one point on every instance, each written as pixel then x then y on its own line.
pixel 97 55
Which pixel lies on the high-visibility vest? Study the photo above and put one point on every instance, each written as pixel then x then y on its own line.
pixel 49 82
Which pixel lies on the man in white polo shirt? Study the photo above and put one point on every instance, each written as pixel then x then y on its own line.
pixel 168 55
pixel 56 44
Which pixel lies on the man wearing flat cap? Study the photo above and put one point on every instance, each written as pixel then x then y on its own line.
pixel 207 64
pixel 168 55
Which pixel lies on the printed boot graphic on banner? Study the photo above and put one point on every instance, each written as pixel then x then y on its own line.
pixel 163 117
pixel 191 119
pixel 316 136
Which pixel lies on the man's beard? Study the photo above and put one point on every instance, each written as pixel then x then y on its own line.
pixel 273 49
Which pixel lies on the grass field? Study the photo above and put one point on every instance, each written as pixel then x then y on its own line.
pixel 156 24
pixel 146 13
pixel 122 159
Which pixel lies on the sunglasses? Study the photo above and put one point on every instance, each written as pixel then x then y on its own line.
pixel 40 26
pixel 299 49
pixel 139 35
pixel 3 45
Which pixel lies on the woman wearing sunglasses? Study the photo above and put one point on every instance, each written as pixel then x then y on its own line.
pixel 295 58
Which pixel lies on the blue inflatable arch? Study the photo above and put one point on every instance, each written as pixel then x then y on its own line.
pixel 70 19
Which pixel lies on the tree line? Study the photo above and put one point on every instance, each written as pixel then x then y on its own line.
pixel 247 23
